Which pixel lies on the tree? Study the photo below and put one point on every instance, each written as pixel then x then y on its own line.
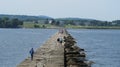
pixel 57 23
pixel 36 22
pixel 43 26
pixel 46 21
pixel 1 23
pixel 53 22
pixel 5 21
pixel 36 26
pixel 15 22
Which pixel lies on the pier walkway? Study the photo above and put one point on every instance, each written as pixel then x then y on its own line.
pixel 50 54
pixel 53 53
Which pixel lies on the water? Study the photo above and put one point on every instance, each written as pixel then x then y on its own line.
pixel 101 46
pixel 16 43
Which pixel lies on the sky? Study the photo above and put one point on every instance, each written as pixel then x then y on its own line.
pixel 106 10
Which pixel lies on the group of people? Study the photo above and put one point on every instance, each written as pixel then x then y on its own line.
pixel 60 40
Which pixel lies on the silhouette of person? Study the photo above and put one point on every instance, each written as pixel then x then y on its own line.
pixel 60 40
pixel 31 53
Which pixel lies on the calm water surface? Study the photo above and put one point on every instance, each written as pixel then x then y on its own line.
pixel 102 46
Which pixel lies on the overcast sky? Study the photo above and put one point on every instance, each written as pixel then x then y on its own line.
pixel 92 9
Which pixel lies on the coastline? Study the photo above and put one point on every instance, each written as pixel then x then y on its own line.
pixel 71 27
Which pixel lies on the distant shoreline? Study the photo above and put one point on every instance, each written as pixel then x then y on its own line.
pixel 94 27
pixel 82 27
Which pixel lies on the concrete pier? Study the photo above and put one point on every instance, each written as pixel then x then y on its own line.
pixel 56 54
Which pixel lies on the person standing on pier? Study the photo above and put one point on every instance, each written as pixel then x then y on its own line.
pixel 60 40
pixel 31 53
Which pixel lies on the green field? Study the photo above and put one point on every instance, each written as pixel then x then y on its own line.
pixel 38 25
pixel 92 27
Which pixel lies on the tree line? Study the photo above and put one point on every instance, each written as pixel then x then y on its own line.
pixel 6 22
pixel 85 22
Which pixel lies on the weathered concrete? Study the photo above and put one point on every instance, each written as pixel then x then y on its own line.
pixel 53 53
pixel 50 54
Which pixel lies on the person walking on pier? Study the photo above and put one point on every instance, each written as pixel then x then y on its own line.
pixel 31 53
pixel 60 40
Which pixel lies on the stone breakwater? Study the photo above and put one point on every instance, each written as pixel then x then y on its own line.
pixel 74 55
pixel 58 54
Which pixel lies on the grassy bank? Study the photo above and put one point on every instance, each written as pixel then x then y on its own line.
pixel 38 25
pixel 92 27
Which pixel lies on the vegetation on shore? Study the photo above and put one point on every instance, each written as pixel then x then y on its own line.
pixel 33 25
pixel 22 21
pixel 92 27
pixel 5 22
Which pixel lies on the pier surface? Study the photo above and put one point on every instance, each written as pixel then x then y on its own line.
pixel 54 53
pixel 50 54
